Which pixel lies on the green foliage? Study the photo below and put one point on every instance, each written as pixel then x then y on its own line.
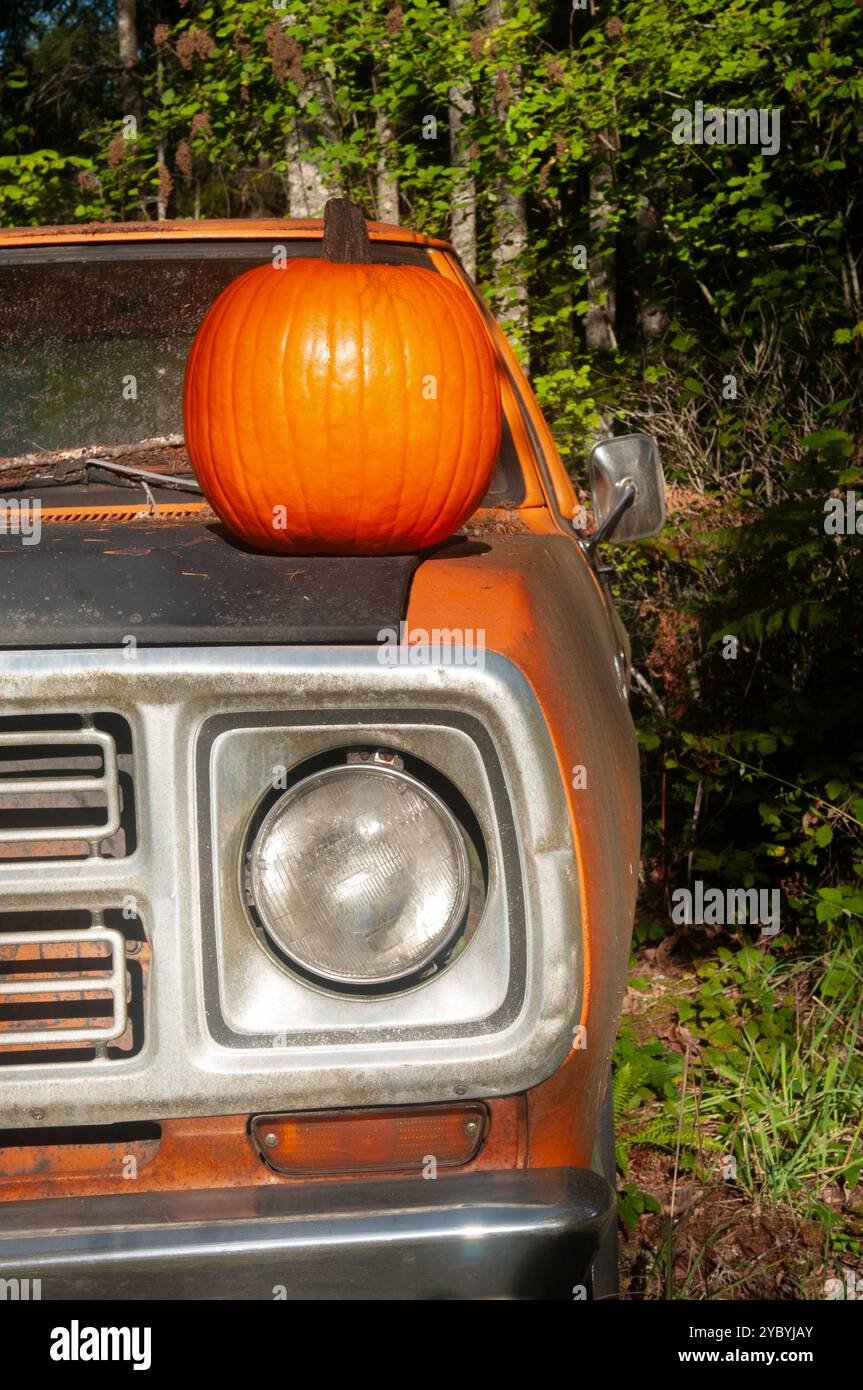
pixel 37 183
pixel 790 1083
pixel 642 1071
pixel 774 1079
pixel 633 1202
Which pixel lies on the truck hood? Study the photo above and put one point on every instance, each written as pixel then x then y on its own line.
pixel 187 583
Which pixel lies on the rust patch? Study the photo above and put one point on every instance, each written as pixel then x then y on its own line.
pixel 197 1154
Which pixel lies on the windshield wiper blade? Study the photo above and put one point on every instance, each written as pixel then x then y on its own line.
pixel 143 475
pixel 65 467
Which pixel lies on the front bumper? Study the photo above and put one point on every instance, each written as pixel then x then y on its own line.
pixel 499 1235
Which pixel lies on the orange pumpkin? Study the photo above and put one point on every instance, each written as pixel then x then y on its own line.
pixel 340 407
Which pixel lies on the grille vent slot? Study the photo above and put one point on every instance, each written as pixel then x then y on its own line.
pixel 72 986
pixel 66 787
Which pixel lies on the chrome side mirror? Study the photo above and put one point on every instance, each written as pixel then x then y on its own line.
pixel 628 488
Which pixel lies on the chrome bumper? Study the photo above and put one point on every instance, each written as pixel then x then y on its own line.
pixel 501 1235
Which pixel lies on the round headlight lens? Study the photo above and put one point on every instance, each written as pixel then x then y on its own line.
pixel 360 874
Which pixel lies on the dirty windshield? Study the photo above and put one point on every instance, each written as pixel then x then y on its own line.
pixel 93 344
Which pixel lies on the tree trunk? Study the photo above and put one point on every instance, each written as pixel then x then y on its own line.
pixel 599 321
pixel 601 287
pixel 463 216
pixel 652 316
pixel 386 182
pixel 161 200
pixel 510 219
pixel 307 190
pixel 127 43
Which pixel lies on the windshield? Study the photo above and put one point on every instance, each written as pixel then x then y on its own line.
pixel 94 339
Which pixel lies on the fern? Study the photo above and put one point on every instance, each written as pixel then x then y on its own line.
pixel 662 1132
pixel 628 1078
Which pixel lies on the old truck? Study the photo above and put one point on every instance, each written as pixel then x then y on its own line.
pixel 195 1100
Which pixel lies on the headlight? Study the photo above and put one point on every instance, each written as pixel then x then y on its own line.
pixel 360 874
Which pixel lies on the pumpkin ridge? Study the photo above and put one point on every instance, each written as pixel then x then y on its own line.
pixel 456 480
pixel 491 385
pixel 392 295
pixel 332 349
pixel 472 367
pixel 294 301
pixel 445 375
pixel 292 459
pixel 443 507
pixel 364 407
pixel 363 395
pixel 269 295
pixel 229 423
pixel 210 341
pixel 317 293
pixel 241 385
pixel 432 472
pixel 366 294
pixel 480 347
pixel 276 338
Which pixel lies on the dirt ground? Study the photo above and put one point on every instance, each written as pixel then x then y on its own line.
pixel 721 1246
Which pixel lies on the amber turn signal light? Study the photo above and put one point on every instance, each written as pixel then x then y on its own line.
pixel 403 1139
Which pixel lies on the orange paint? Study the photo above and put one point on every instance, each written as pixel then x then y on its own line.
pixel 219 229
pixel 529 594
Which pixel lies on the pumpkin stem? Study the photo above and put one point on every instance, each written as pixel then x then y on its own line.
pixel 345 235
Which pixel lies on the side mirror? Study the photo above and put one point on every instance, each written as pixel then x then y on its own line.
pixel 628 488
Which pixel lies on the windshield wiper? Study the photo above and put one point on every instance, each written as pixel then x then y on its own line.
pixel 64 467
pixel 142 475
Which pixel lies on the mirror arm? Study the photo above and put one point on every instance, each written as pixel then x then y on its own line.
pixel 604 531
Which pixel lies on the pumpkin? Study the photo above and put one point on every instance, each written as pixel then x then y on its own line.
pixel 335 406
